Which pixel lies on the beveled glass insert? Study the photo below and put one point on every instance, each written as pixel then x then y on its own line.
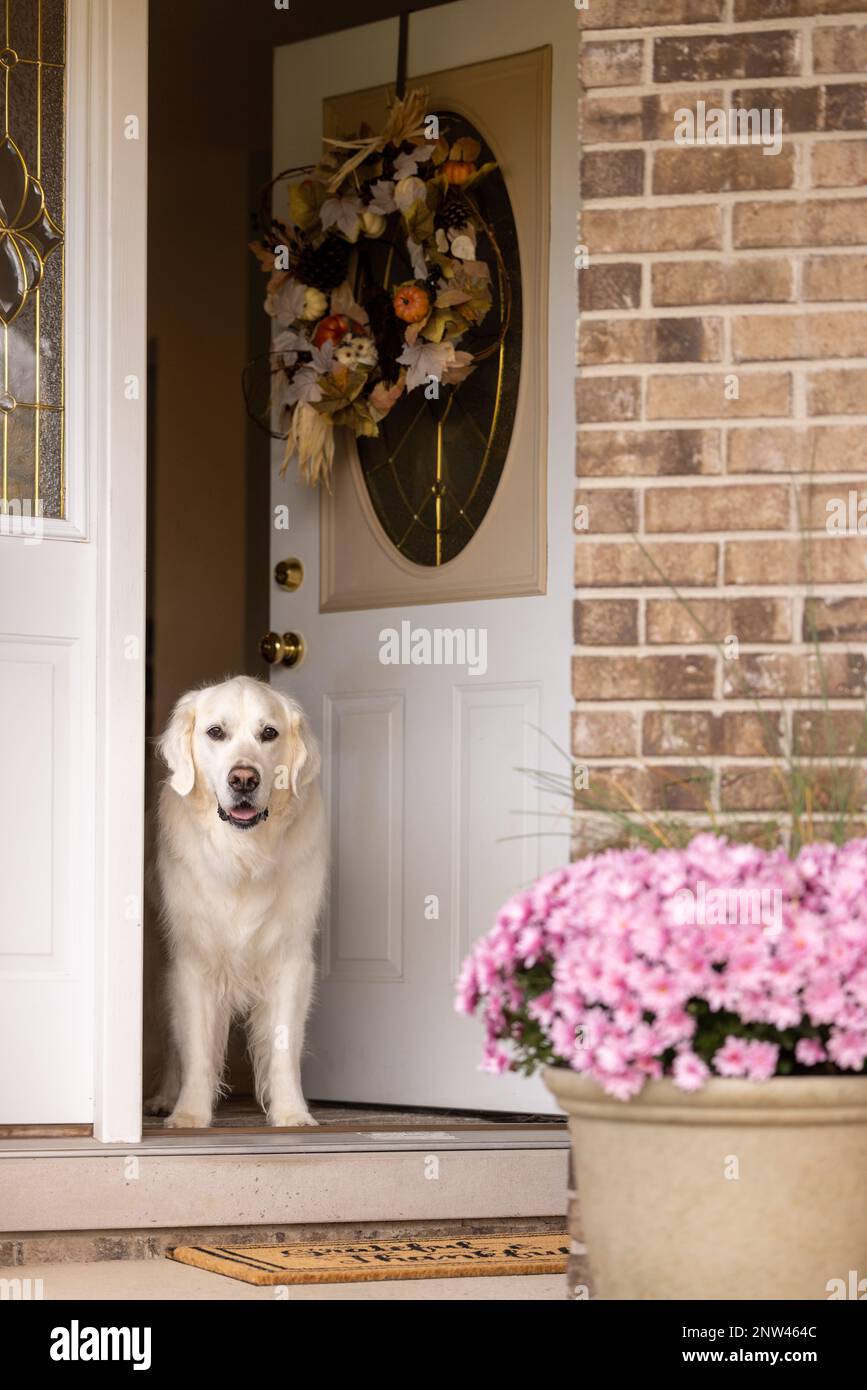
pixel 433 471
pixel 32 191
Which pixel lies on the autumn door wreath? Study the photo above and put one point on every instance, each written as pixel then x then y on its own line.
pixel 348 343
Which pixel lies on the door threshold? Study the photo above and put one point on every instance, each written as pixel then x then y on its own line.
pixel 46 1131
pixel 532 1127
pixel 282 1143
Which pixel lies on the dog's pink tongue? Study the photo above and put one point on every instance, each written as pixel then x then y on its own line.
pixel 244 813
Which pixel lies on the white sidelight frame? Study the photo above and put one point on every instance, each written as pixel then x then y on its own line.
pixel 106 323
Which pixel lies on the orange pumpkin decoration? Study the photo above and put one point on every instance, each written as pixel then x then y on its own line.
pixel 334 329
pixel 411 303
pixel 331 329
pixel 458 171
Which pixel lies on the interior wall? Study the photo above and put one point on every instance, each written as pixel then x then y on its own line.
pixel 201 150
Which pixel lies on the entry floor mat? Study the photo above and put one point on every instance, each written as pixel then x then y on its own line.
pixel 349 1262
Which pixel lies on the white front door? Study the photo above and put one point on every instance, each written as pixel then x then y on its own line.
pixel 432 825
pixel 72 344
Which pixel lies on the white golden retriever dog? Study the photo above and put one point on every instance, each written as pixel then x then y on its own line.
pixel 241 862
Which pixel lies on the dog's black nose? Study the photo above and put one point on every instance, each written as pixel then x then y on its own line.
pixel 243 779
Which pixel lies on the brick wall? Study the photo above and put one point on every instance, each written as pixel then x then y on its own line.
pixel 721 393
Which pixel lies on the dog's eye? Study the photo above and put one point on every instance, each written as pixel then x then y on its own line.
pixel 216 733
pixel 269 733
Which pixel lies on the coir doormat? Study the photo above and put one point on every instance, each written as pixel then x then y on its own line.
pixel 353 1262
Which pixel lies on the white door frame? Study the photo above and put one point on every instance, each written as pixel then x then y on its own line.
pixel 107 179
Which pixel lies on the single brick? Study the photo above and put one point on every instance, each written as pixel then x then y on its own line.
pixel 739 281
pixel 751 734
pixel 638 14
pixel 837 391
pixel 606 622
pixel 781 449
pixel 845 106
pixel 794 675
pixel 604 734
pixel 592 833
pixel 664 115
pixel 840 50
pixel 604 175
pixel 830 733
pixel 820 502
pixel 643 677
pixel 647 453
pixel 686 788
pixel 670 621
pixel 609 285
pixel 728 508
pixel 608 398
pixel 613 341
pixel 835 619
pixel 687 228
pixel 829 222
pixel 752 789
pixel 835 277
pixel 827 560
pixel 739 169
pixel 763 789
pixel 831 443
pixel 678 734
pixel 784 337
pixel 768 449
pixel 709 58
pixel 634 789
pixel 795 9
pixel 601 564
pixel 607 509
pixel 703 396
pixel 801 108
pixel 839 164
pixel 612 63
pixel 614 119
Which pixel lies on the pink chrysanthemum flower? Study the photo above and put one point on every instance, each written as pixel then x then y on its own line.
pixel 629 965
pixel 689 1071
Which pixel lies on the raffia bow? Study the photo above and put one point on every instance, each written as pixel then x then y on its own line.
pixel 406 121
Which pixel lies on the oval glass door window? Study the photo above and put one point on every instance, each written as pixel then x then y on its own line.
pixel 433 471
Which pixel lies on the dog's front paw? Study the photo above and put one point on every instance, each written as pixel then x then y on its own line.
pixel 160 1105
pixel 290 1119
pixel 188 1119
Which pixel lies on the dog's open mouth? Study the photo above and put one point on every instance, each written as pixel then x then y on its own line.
pixel 244 815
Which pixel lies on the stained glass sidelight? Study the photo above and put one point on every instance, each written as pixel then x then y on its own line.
pixel 32 154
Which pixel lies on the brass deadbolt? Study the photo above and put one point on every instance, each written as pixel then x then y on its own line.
pixel 289 574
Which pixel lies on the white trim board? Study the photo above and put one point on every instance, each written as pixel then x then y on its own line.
pixel 119 221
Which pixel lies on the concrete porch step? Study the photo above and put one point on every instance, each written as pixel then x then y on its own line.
pixel 393 1182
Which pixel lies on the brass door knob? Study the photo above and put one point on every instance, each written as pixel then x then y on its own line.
pixel 289 574
pixel 287 650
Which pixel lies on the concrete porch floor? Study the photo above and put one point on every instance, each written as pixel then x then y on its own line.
pixel 155 1280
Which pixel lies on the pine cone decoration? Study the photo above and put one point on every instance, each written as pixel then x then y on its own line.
pixel 453 214
pixel 323 267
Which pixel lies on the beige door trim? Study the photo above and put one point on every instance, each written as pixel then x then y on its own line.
pixel 509 102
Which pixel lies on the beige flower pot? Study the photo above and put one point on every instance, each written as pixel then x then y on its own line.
pixel 741 1190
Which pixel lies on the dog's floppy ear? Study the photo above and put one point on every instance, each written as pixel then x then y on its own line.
pixel 305 761
pixel 176 745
